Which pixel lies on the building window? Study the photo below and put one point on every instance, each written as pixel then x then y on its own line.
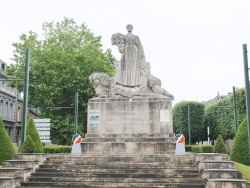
pixel 11 112
pixel 6 110
pixel 1 108
pixel 19 113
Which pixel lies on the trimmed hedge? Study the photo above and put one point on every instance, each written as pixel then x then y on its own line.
pixel 240 151
pixel 207 148
pixel 57 149
pixel 7 149
pixel 188 148
pixel 196 149
pixel 202 148
pixel 28 145
pixel 220 146
pixel 32 131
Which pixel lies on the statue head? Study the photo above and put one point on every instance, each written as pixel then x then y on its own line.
pixel 129 28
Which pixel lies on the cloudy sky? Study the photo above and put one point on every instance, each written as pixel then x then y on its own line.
pixel 194 46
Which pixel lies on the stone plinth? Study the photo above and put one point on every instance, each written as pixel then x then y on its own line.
pixel 129 125
pixel 141 115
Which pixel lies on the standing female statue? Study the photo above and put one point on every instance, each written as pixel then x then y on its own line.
pixel 131 71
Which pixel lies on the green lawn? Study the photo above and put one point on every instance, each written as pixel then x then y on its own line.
pixel 245 170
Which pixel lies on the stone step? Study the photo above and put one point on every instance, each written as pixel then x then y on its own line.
pixel 116 179
pixel 211 164
pixel 131 170
pixel 9 182
pixel 223 182
pixel 169 158
pixel 112 163
pixel 221 173
pixel 15 172
pixel 120 166
pixel 20 163
pixel 212 156
pixel 108 185
pixel 116 175
pixel 30 156
pixel 122 155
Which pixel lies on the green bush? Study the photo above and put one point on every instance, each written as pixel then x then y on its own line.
pixel 240 150
pixel 32 131
pixel 197 149
pixel 188 148
pixel 57 149
pixel 28 145
pixel 207 148
pixel 220 146
pixel 7 149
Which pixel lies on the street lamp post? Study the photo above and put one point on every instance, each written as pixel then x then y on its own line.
pixel 25 96
pixel 247 90
pixel 189 125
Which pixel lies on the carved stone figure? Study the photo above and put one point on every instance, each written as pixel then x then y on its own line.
pixel 130 70
pixel 133 76
pixel 101 84
pixel 154 84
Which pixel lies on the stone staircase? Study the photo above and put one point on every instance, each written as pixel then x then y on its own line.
pixel 218 171
pixel 19 168
pixel 145 170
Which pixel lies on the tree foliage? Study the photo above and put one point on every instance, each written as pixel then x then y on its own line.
pixel 180 120
pixel 33 133
pixel 61 62
pixel 28 145
pixel 220 115
pixel 7 149
pixel 240 151
pixel 220 146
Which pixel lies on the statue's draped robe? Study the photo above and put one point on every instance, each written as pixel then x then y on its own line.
pixel 129 71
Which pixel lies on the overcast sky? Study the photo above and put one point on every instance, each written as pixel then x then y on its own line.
pixel 194 46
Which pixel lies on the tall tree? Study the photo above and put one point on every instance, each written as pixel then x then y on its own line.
pixel 180 120
pixel 62 59
pixel 220 115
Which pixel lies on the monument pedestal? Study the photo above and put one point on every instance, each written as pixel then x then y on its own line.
pixel 129 125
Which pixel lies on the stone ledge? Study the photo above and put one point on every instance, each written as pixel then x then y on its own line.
pixel 211 156
pixel 128 147
pixel 132 99
pixel 161 135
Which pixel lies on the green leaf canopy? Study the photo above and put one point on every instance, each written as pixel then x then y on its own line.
pixel 62 59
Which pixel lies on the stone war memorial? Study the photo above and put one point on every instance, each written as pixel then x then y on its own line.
pixel 132 113
pixel 129 141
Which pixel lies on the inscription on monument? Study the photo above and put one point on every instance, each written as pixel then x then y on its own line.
pixel 164 116
pixel 126 117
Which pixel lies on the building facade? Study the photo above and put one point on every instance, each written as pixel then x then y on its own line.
pixel 11 107
pixel 216 99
